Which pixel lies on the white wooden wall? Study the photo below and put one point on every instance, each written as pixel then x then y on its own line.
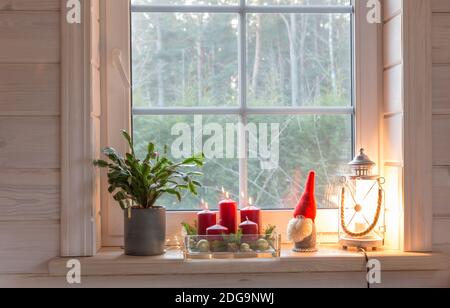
pixel 441 124
pixel 29 134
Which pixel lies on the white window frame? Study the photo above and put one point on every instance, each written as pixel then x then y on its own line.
pixel 116 93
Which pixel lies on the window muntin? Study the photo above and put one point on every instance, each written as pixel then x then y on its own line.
pixel 316 126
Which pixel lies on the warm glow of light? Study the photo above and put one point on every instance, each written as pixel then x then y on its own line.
pixel 250 201
pixel 206 206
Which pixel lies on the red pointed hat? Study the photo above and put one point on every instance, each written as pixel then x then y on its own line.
pixel 307 206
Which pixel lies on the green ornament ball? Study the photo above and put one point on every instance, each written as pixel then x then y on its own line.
pixel 203 246
pixel 262 245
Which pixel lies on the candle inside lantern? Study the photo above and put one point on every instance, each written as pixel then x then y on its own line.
pixel 249 230
pixel 251 213
pixel 206 219
pixel 228 213
pixel 216 232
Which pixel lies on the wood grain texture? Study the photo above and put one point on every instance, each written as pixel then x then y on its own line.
pixel 417 55
pixel 441 38
pixel 29 89
pixel 29 37
pixel 27 247
pixel 440 6
pixel 29 5
pixel 29 142
pixel 441 146
pixel 441 191
pixel 441 236
pixel 78 230
pixel 28 195
pixel 441 88
pixel 397 279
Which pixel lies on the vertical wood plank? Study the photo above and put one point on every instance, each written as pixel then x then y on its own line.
pixel 417 55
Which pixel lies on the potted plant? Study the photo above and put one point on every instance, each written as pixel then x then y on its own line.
pixel 137 185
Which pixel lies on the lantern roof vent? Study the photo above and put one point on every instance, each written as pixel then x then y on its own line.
pixel 362 165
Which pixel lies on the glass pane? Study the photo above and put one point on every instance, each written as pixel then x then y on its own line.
pixel 218 172
pixel 299 60
pixel 320 143
pixel 298 2
pixel 184 59
pixel 185 2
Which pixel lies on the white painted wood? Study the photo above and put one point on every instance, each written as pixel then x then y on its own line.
pixel 29 90
pixel 393 89
pixel 417 56
pixel 393 42
pixel 29 37
pixel 112 262
pixel 29 5
pixel 29 142
pixel 391 8
pixel 441 38
pixel 78 230
pixel 399 279
pixel 393 138
pixel 441 192
pixel 27 247
pixel 28 195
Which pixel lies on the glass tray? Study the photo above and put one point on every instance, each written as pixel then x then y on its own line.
pixel 231 247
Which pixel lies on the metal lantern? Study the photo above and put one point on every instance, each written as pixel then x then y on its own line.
pixel 362 217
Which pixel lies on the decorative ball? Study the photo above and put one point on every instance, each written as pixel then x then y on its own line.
pixel 245 247
pixel 358 208
pixel 203 246
pixel 262 244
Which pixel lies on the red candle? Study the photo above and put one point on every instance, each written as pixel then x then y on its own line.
pixel 252 213
pixel 249 230
pixel 206 219
pixel 228 214
pixel 216 232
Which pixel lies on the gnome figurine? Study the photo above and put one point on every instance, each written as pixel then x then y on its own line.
pixel 301 229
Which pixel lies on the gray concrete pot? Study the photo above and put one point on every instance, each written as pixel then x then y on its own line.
pixel 145 232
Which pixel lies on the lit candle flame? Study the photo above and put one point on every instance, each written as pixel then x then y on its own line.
pixel 250 201
pixel 227 195
pixel 206 206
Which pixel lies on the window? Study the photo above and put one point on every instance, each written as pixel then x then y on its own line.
pixel 274 76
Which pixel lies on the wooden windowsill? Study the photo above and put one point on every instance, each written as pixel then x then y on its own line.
pixel 112 262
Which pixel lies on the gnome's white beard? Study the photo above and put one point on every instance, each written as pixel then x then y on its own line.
pixel 299 229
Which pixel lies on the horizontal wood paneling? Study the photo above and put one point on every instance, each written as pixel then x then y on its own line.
pixel 27 247
pixel 440 6
pixel 441 144
pixel 29 142
pixel 393 41
pixel 28 195
pixel 29 5
pixel 303 280
pixel 441 88
pixel 441 191
pixel 29 37
pixel 441 226
pixel 393 89
pixel 391 8
pixel 393 138
pixel 441 38
pixel 29 89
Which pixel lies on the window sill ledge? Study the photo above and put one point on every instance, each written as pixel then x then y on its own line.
pixel 112 262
